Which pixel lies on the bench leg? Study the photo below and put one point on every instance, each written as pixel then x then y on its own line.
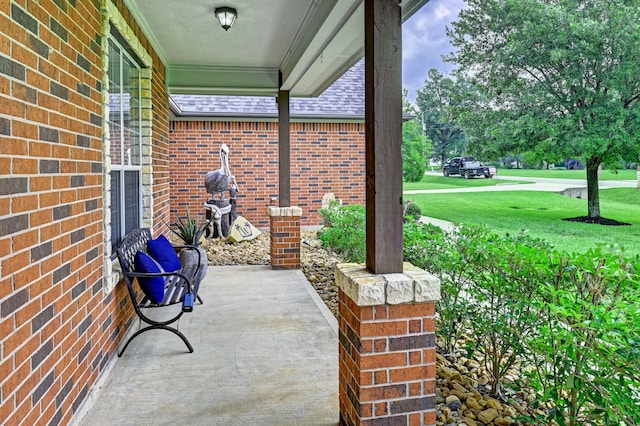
pixel 161 327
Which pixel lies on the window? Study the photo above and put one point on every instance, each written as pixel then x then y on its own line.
pixel 125 130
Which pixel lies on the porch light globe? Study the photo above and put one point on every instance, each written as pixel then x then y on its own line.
pixel 227 16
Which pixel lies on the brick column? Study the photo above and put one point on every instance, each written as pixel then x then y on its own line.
pixel 387 362
pixel 285 237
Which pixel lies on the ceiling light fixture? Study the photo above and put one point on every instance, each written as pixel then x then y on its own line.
pixel 227 16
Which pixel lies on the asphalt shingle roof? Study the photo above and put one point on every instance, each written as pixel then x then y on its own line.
pixel 343 99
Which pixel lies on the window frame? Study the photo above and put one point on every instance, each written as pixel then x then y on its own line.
pixel 115 25
pixel 121 166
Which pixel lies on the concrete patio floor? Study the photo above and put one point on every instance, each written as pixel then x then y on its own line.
pixel 265 353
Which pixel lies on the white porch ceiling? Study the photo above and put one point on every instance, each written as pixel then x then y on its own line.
pixel 311 42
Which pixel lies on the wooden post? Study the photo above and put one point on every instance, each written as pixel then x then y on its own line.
pixel 284 151
pixel 383 122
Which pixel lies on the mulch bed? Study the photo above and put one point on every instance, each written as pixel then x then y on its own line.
pixel 597 221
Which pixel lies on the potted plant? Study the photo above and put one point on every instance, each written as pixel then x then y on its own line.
pixel 191 232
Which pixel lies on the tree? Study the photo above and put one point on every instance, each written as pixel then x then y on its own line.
pixel 434 100
pixel 563 72
pixel 416 148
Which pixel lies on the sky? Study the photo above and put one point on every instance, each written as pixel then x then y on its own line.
pixel 424 41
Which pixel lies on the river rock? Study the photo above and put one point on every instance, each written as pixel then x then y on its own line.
pixel 503 421
pixel 473 404
pixel 453 402
pixel 494 403
pixel 488 415
pixel 508 411
pixel 468 421
pixel 472 364
pixel 483 380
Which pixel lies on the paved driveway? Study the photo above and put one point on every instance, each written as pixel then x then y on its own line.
pixel 510 183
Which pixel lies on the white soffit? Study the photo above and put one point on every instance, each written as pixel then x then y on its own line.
pixel 311 42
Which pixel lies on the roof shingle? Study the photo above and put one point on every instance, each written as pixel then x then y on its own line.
pixel 343 99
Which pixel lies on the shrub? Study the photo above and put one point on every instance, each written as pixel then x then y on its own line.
pixel 430 248
pixel 412 210
pixel 502 286
pixel 416 149
pixel 586 350
pixel 344 231
pixel 413 166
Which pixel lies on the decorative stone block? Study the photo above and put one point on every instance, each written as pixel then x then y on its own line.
pixel 426 285
pixel 399 288
pixel 368 290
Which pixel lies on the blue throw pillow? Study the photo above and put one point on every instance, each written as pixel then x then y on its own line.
pixel 153 287
pixel 162 251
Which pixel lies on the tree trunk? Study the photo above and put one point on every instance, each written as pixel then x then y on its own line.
pixel 593 192
pixel 443 138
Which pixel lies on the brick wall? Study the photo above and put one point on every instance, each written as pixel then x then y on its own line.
pixel 325 157
pixel 57 327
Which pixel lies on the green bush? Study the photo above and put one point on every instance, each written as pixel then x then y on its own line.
pixel 431 249
pixel 569 321
pixel 502 287
pixel 413 166
pixel 416 149
pixel 586 348
pixel 344 231
pixel 412 211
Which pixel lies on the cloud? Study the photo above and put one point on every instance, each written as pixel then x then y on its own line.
pixel 424 41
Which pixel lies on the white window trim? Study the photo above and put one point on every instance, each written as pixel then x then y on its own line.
pixel 111 16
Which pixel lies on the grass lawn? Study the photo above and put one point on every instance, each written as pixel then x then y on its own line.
pixel 441 182
pixel 568 174
pixel 541 214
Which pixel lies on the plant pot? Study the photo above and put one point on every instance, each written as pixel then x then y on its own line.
pixel 190 257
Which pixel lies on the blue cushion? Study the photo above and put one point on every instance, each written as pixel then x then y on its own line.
pixel 153 287
pixel 162 251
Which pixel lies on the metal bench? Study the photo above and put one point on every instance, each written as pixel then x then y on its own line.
pixel 181 286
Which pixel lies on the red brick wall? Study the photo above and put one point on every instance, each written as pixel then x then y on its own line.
pixel 325 157
pixel 57 328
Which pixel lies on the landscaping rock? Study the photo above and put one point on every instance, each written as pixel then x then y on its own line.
pixel 468 422
pixel 488 415
pixel 453 402
pixel 243 230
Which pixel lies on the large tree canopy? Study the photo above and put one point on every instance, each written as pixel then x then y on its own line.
pixel 435 100
pixel 565 73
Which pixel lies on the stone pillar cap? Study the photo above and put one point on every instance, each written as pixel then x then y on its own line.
pixel 284 211
pixel 368 289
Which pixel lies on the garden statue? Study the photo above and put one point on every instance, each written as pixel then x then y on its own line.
pixel 221 180
pixel 221 210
